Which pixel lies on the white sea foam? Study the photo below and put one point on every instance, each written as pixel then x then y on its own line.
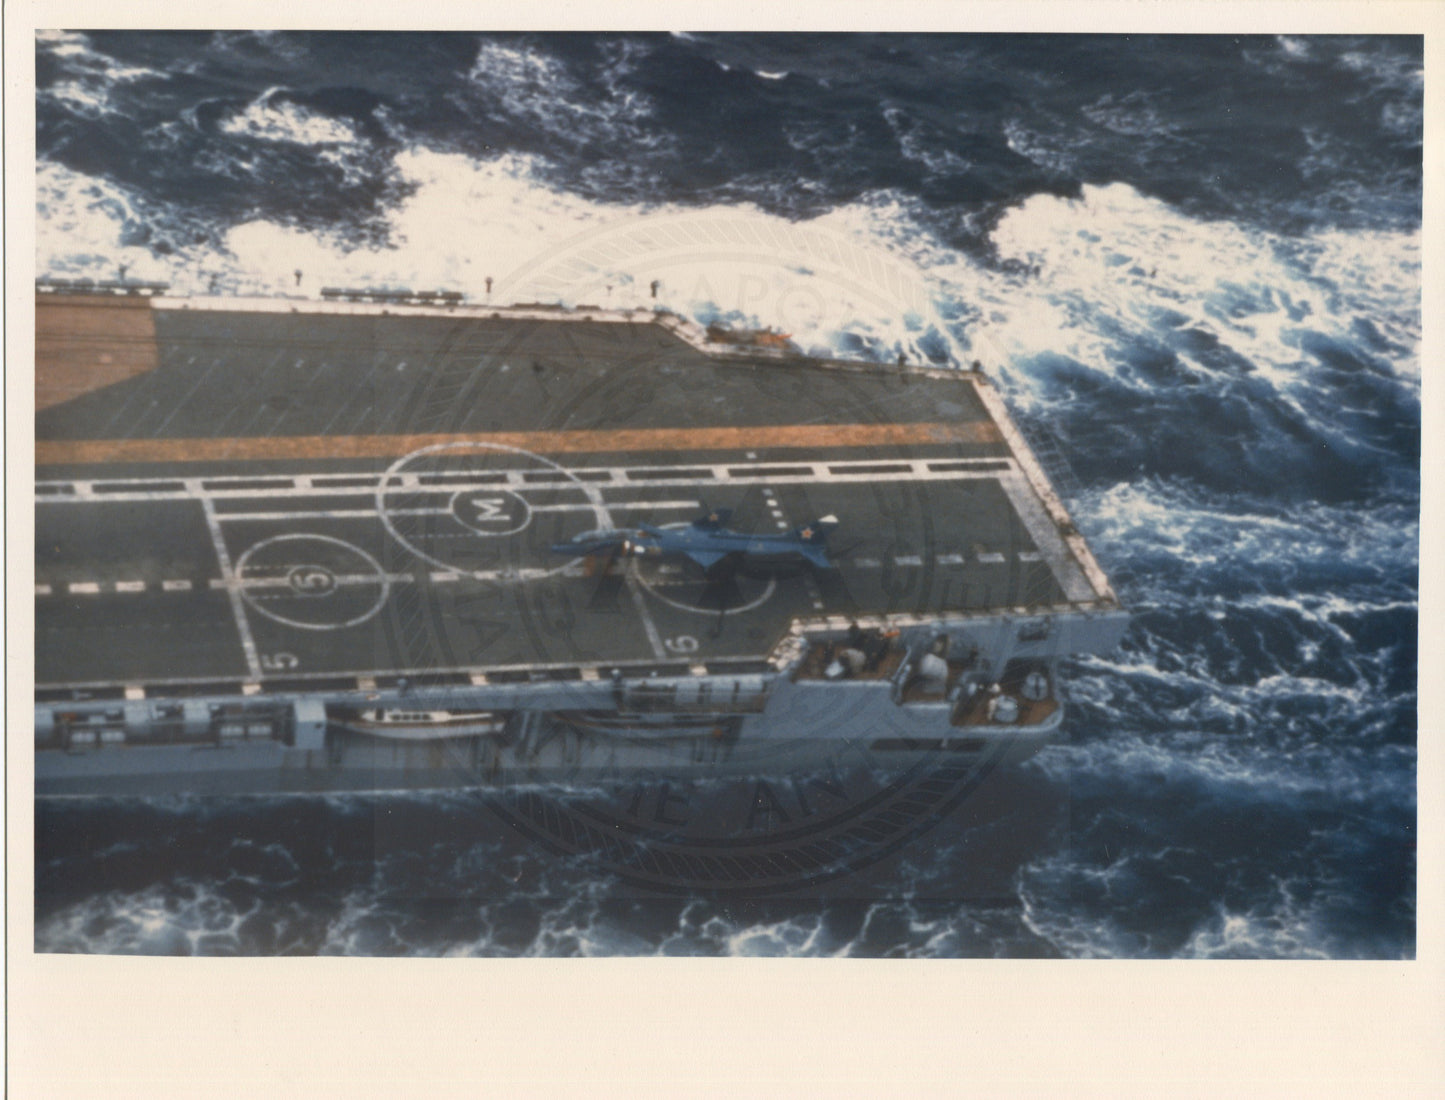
pixel 1084 912
pixel 539 90
pixel 271 118
pixel 915 145
pixel 792 937
pixel 1293 923
pixel 1060 921
pixel 1386 68
pixel 183 919
pixel 1110 262
pixel 81 223
pixel 1281 769
pixel 1138 521
pixel 1131 114
pixel 826 282
pixel 92 76
pixel 1032 146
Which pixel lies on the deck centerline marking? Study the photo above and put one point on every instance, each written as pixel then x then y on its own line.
pixel 84 490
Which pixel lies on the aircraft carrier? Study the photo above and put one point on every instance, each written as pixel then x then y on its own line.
pixel 306 544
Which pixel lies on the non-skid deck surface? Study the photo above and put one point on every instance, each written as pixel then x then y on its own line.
pixel 285 495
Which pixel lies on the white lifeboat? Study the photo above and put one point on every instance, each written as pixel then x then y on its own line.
pixel 401 724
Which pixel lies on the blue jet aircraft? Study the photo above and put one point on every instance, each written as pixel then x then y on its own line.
pixel 708 542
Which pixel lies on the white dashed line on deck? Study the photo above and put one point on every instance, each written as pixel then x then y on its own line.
pixel 308 484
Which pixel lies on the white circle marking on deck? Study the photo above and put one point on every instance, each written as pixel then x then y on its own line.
pixel 308 589
pixel 398 467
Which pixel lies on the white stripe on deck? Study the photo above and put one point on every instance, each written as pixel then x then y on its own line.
pixel 343 580
pixel 302 485
pixel 228 576
pixel 359 513
pixel 620 506
pixel 370 513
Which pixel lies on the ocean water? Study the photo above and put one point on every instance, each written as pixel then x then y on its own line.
pixel 1193 266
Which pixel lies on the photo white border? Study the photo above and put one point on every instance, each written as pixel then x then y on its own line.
pixel 84 1026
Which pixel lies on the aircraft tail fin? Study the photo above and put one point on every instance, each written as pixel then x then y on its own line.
pixel 713 519
pixel 817 532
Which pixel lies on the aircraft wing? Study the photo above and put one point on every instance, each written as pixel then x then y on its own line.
pixel 816 556
pixel 706 558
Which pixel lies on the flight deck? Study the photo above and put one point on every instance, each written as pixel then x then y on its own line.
pixel 258 496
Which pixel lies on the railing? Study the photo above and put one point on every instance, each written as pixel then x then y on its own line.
pixel 122 288
pixel 415 297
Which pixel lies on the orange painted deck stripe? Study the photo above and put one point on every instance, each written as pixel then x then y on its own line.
pixel 62 452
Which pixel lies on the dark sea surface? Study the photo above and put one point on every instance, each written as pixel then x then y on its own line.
pixel 1192 264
